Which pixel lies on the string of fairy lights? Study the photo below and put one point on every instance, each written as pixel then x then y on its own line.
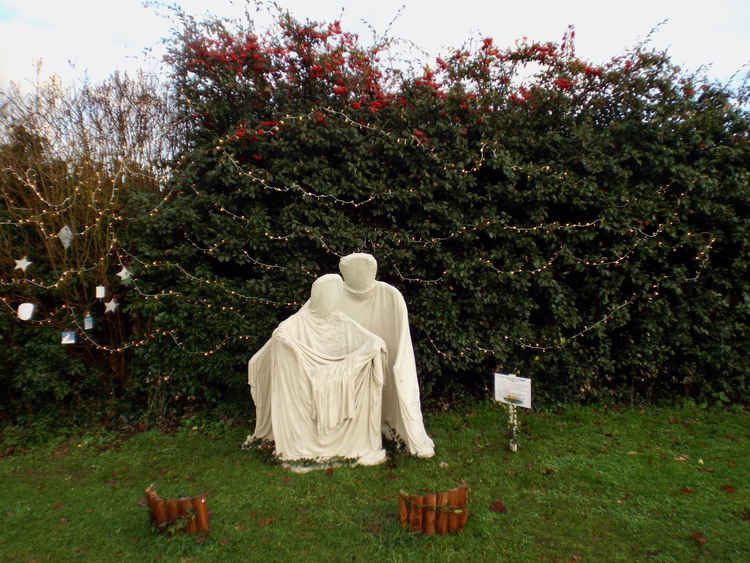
pixel 262 178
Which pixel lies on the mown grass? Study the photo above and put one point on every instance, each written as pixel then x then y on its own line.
pixel 591 484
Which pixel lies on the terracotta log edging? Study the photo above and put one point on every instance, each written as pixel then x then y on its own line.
pixel 167 512
pixel 442 512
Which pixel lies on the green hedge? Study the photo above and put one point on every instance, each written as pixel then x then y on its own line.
pixel 586 226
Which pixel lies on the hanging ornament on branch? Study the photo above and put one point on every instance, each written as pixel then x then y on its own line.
pixel 124 274
pixel 101 292
pixel 88 322
pixel 68 337
pixel 22 264
pixel 26 311
pixel 66 236
pixel 110 306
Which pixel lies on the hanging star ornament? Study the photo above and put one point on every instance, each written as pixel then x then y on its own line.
pixel 124 274
pixel 23 263
pixel 66 236
pixel 110 306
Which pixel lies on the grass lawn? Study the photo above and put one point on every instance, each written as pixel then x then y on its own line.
pixel 587 484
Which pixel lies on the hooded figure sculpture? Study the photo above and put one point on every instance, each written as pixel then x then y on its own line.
pixel 317 383
pixel 381 309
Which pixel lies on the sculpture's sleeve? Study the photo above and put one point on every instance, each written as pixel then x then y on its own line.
pixel 407 386
pixel 259 371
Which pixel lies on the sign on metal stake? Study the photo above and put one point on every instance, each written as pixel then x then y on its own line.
pixel 515 392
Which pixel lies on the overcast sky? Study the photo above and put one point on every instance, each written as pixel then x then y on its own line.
pixel 100 36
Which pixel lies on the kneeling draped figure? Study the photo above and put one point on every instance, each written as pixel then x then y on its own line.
pixel 317 383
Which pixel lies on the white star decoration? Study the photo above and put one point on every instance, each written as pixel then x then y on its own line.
pixel 22 264
pixel 124 273
pixel 110 306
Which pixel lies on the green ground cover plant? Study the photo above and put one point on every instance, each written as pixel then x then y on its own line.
pixel 588 484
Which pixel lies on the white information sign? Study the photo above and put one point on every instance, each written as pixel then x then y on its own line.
pixel 513 390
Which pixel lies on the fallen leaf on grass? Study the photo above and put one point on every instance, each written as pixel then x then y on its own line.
pixel 731 464
pixel 743 515
pixel 265 522
pixel 686 490
pixel 498 506
pixel 706 469
pixel 239 528
pixel 699 538
pixel 329 471
pixel 442 465
pixel 512 472
pixel 57 506
pixel 631 452
pixel 142 502
pixel 549 471
pixel 390 476
pixel 200 539
pixel 733 437
pixel 285 479
pixel 681 457
pixel 224 541
pixel 728 489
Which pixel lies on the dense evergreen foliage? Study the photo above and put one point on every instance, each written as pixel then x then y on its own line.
pixel 585 226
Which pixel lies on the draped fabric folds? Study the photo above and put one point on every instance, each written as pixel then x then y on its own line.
pixel 381 309
pixel 317 386
pixel 340 372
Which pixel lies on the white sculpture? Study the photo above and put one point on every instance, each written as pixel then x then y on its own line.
pixel 317 383
pixel 381 309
